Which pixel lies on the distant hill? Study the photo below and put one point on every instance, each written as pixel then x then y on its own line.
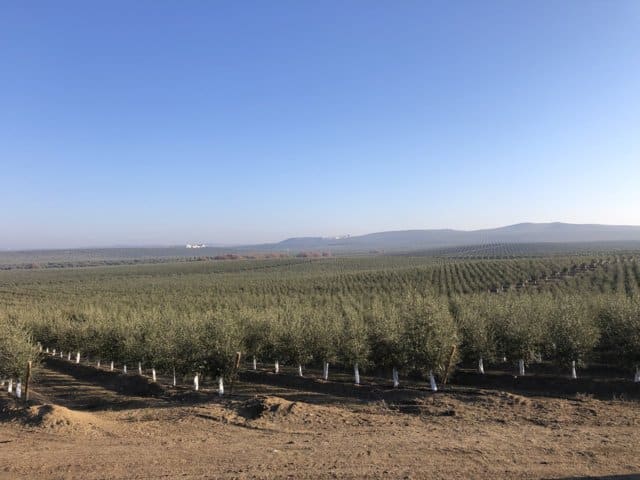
pixel 421 239
pixel 529 237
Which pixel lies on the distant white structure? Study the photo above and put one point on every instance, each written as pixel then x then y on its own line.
pixel 196 245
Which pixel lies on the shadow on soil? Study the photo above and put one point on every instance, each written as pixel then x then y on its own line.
pixel 98 389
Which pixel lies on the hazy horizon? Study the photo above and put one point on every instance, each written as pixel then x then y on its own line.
pixel 277 240
pixel 153 123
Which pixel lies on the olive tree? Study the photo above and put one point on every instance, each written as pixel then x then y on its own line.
pixel 521 326
pixel 476 317
pixel 353 343
pixel 572 333
pixel 17 348
pixel 385 338
pixel 429 336
pixel 619 319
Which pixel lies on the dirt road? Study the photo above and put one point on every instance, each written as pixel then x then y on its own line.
pixel 83 429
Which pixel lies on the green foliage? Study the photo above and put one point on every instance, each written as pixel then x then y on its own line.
pixel 385 311
pixel 429 334
pixel 619 320
pixel 573 332
pixel 16 349
pixel 477 317
pixel 520 326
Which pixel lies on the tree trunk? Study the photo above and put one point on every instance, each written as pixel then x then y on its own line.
pixel 300 371
pixel 396 379
pixel 573 370
pixel 480 366
pixel 26 381
pixel 276 368
pixel 356 374
pixel 325 371
pixel 255 364
pixel 521 367
pixel 196 383
pixel 153 374
pixel 221 386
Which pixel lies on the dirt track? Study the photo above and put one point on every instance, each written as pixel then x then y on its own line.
pixel 88 431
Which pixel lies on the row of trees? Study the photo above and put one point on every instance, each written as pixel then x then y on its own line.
pixel 412 333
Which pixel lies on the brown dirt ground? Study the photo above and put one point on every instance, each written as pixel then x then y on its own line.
pixel 78 429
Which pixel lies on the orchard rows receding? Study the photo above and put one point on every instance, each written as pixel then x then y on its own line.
pixel 400 314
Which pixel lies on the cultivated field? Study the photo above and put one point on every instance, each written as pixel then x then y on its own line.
pixel 438 366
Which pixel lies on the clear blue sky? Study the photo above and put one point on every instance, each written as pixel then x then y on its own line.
pixel 162 122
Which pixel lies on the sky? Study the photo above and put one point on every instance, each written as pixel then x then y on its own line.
pixel 164 122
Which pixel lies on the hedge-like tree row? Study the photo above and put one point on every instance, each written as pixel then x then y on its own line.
pixel 382 313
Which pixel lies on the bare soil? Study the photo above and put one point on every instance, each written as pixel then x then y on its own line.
pixel 80 426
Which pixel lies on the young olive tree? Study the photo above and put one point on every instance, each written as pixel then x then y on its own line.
pixel 220 340
pixel 292 339
pixel 353 343
pixel 385 338
pixel 257 334
pixel 17 348
pixel 521 327
pixel 429 337
pixel 572 333
pixel 619 319
pixel 476 321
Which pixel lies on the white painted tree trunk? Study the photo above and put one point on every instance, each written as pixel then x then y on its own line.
pixel 61 355
pixel 69 356
pixel 19 389
pixel 356 374
pixel 196 383
pixel 480 366
pixel 78 357
pixel 277 367
pixel 432 382
pixel 396 379
pixel 40 348
pixel 47 349
pixel 521 367
pixel 300 371
pixel 124 369
pixel 111 367
pixel 573 370
pixel 325 372
pixel 139 368
pixel 153 374
pixel 98 364
pixel 637 376
pixel 220 386
pixel 10 386
pixel 255 364
pixel 174 377
pixel 54 351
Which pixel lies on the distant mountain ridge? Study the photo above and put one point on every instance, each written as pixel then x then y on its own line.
pixel 555 232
